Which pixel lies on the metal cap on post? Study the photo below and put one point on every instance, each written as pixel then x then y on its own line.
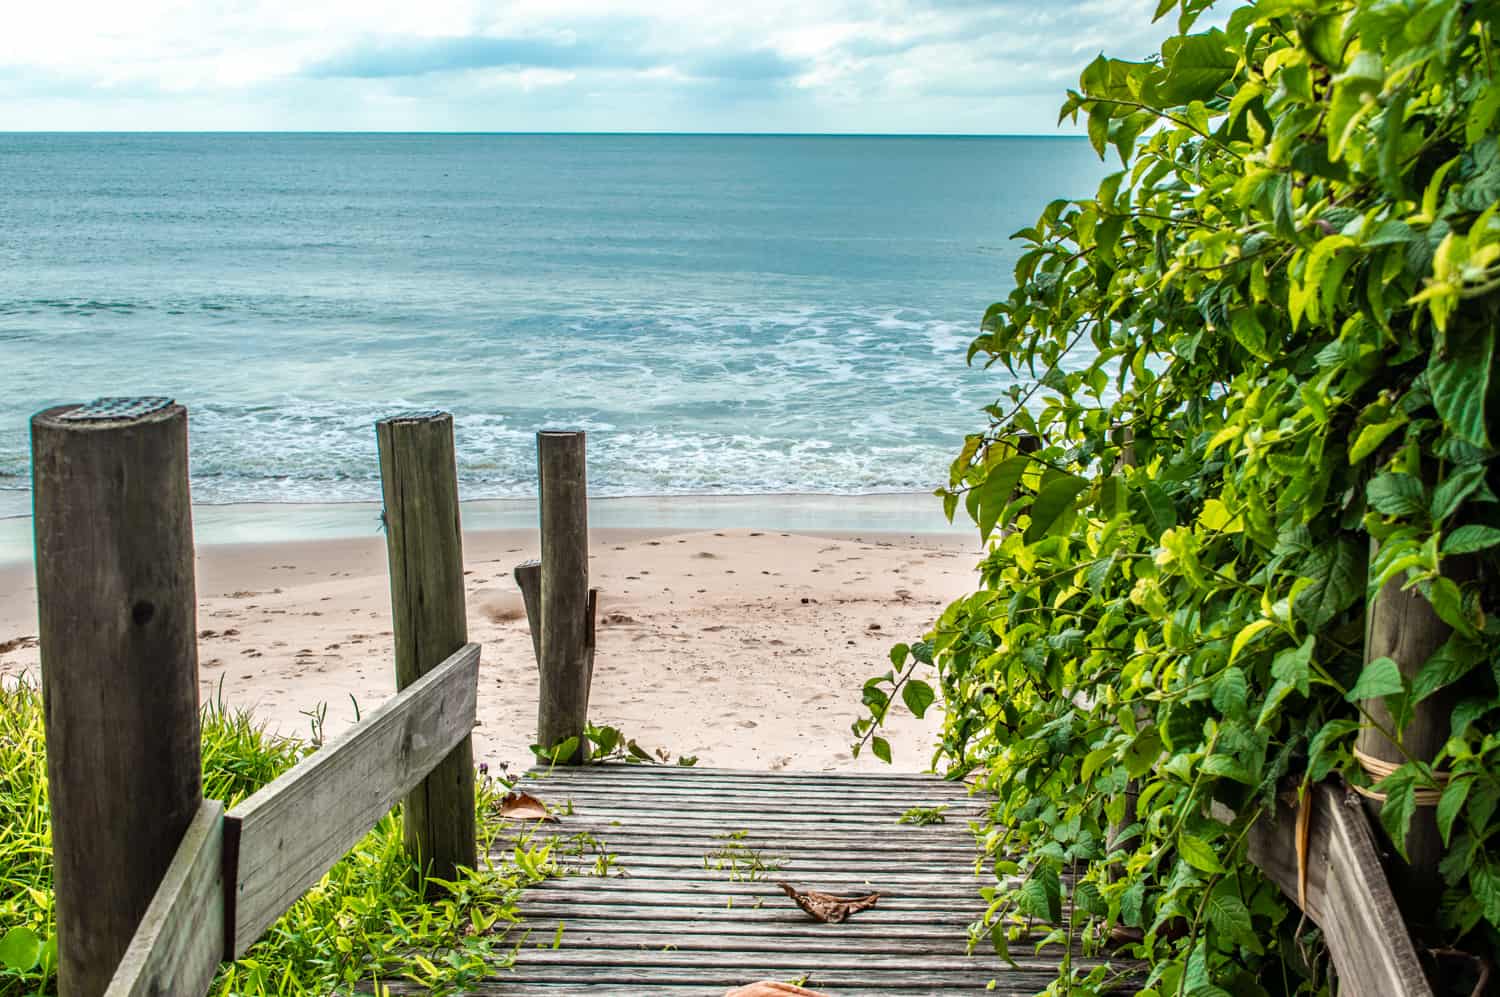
pixel 566 607
pixel 117 614
pixel 424 541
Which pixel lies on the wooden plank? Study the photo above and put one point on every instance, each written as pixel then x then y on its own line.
pixel 956 851
pixel 614 769
pixel 282 839
pixel 668 814
pixel 863 981
pixel 178 946
pixel 788 958
pixel 591 896
pixel 505 989
pixel 736 936
pixel 116 615
pixel 569 910
pixel 899 801
pixel 424 546
pixel 1347 893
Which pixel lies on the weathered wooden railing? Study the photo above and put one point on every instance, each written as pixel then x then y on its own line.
pixel 154 885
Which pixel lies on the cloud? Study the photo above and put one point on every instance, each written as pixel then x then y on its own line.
pixel 387 58
pixel 773 65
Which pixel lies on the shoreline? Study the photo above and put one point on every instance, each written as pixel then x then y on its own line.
pixel 278 522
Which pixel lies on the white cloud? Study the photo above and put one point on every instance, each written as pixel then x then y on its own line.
pixel 810 65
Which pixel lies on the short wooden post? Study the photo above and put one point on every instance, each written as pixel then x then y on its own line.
pixel 566 623
pixel 117 615
pixel 1402 625
pixel 419 481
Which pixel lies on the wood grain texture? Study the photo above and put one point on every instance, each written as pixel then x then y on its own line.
pixel 178 946
pixel 119 666
pixel 528 576
pixel 281 840
pixel 424 543
pixel 1347 892
pixel 690 902
pixel 567 642
pixel 1403 626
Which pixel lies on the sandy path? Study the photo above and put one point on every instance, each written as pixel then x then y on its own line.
pixel 746 648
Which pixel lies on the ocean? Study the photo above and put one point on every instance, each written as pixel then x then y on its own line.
pixel 724 315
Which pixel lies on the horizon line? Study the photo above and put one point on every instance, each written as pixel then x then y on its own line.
pixel 477 132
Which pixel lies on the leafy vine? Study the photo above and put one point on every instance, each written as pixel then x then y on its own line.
pixel 1260 366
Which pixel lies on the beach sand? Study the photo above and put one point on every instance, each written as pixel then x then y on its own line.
pixel 745 648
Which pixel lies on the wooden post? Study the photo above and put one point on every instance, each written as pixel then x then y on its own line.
pixel 566 624
pixel 119 662
pixel 419 481
pixel 1402 626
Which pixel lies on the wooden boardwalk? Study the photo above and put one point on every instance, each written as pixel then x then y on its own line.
pixel 673 886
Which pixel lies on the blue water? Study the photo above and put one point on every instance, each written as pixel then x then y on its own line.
pixel 723 314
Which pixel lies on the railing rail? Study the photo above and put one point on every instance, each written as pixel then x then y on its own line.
pixel 234 874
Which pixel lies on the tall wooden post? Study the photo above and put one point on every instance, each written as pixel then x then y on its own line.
pixel 419 481
pixel 117 611
pixel 566 621
pixel 1402 626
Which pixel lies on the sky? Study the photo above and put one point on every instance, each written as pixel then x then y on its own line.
pixel 867 66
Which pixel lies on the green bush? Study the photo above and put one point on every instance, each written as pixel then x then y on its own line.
pixel 365 922
pixel 1265 343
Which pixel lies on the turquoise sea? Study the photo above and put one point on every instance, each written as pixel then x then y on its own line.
pixel 725 315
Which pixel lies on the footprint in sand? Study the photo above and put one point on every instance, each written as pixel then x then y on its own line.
pixel 706 554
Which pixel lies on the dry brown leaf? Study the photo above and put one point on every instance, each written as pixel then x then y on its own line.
pixel 825 906
pixel 523 806
pixel 773 988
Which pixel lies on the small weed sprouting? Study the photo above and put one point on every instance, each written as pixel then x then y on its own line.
pixel 923 816
pixel 743 863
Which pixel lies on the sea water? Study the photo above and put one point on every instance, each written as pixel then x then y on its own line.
pixel 724 315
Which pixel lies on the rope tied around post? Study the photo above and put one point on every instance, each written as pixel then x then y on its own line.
pixel 1379 769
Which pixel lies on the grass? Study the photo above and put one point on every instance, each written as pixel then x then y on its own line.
pixel 366 922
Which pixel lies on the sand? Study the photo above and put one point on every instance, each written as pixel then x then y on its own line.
pixel 744 648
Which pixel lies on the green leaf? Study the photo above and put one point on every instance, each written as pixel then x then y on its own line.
pixel 899 654
pixel 1196 66
pixel 1229 915
pixel 1337 571
pixel 882 749
pixel 1055 499
pixel 1231 692
pixel 1400 789
pixel 1041 895
pixel 20 949
pixel 1449 663
pixel 1162 514
pixel 1469 539
pixel 1371 437
pixel 1293 666
pixel 1449 495
pixel 995 493
pixel 1381 677
pixel 1459 379
pixel 1451 805
pixel 1396 495
pixel 918 696
pixel 1198 853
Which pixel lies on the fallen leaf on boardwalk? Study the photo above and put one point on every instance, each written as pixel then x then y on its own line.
pixel 771 988
pixel 523 806
pixel 825 906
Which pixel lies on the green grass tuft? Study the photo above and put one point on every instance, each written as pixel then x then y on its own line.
pixel 365 922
